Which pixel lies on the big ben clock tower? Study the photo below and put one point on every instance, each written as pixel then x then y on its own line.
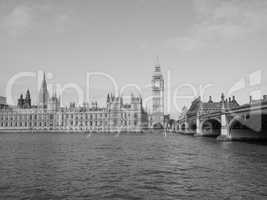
pixel 157 98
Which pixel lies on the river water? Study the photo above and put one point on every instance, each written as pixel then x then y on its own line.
pixel 150 166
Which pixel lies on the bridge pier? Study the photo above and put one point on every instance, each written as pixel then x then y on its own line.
pixel 225 135
pixel 198 128
pixel 179 128
pixel 186 128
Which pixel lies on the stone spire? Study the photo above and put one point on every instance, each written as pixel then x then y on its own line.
pixel 43 94
pixel 28 102
pixel 222 97
pixel 108 98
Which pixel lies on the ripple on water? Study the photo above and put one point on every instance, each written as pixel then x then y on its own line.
pixel 69 166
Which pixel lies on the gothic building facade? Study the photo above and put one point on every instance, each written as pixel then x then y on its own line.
pixel 48 115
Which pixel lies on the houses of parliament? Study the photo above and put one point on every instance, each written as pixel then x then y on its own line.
pixel 115 116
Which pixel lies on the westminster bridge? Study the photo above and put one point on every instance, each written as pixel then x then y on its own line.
pixel 226 120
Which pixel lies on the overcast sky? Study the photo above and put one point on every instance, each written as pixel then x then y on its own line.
pixel 200 42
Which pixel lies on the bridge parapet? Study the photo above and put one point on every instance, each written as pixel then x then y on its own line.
pixel 248 121
pixel 205 117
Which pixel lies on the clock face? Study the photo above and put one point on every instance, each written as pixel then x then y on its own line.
pixel 157 84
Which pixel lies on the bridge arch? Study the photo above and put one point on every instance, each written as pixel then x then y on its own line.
pixel 157 125
pixel 193 126
pixel 249 126
pixel 183 127
pixel 233 121
pixel 211 127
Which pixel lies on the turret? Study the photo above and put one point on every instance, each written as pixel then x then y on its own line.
pixel 234 99
pixel 250 100
pixel 222 98
pixel 28 103
pixel 210 99
pixel 54 102
pixel 21 101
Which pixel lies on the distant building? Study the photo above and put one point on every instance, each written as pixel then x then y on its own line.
pixel 257 101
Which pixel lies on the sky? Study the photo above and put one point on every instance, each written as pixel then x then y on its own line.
pixel 220 45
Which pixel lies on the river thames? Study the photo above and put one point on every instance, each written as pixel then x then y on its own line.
pixel 150 166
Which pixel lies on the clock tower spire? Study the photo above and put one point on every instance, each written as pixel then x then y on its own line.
pixel 157 97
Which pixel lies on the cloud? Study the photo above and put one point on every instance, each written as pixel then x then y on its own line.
pixel 223 21
pixel 183 43
pixel 22 19
pixel 17 21
pixel 61 22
